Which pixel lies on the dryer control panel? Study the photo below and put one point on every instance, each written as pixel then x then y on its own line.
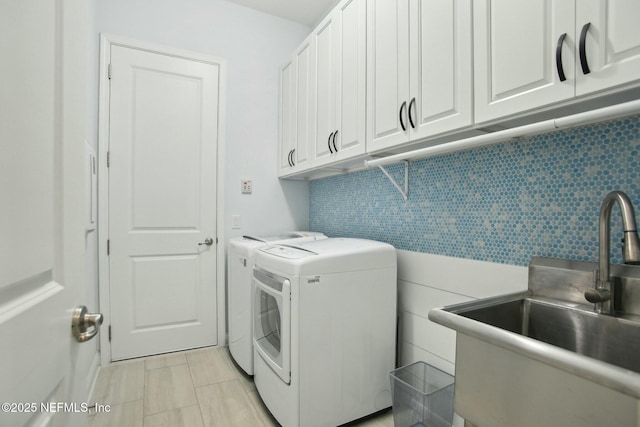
pixel 286 251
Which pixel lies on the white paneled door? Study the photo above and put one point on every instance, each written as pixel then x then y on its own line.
pixel 163 138
pixel 42 228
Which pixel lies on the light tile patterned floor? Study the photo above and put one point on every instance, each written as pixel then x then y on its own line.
pixel 194 388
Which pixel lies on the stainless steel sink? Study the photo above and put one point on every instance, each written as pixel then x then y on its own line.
pixel 609 339
pixel 543 357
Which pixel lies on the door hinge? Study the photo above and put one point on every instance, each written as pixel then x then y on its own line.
pixel 109 71
pixel 108 246
pixel 109 333
pixel 108 158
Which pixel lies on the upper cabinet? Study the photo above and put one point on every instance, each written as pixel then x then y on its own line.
pixel 377 75
pixel 296 110
pixel 532 54
pixel 608 40
pixel 419 70
pixel 340 85
pixel 515 44
pixel 323 93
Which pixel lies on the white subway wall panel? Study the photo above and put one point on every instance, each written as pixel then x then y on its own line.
pixel 419 298
pixel 411 353
pixel 427 281
pixel 476 279
pixel 415 302
pixel 431 337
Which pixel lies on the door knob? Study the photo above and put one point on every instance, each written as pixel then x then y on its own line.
pixel 81 321
pixel 208 241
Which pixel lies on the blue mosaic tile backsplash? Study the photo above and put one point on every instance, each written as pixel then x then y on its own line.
pixel 504 203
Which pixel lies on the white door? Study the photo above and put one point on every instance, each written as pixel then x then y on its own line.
pixel 441 67
pixel 515 43
pixel 43 115
pixel 163 139
pixel 387 73
pixel 611 46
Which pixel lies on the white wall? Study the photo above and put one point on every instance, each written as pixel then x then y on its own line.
pixel 255 45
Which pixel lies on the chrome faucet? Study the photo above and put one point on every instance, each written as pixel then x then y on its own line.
pixel 603 293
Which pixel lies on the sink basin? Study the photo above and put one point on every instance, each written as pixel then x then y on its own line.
pixel 543 357
pixel 609 339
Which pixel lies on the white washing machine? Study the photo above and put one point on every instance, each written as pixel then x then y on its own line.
pixel 240 290
pixel 325 330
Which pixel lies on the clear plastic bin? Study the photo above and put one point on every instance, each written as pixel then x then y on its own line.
pixel 422 396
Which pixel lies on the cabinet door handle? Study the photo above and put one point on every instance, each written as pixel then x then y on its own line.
pixel 329 143
pixel 293 163
pixel 334 141
pixel 404 104
pixel 583 48
pixel 413 102
pixel 289 158
pixel 559 66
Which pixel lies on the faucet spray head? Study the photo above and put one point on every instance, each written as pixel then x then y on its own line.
pixel 631 247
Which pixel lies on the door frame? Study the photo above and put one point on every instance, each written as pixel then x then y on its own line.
pixel 104 286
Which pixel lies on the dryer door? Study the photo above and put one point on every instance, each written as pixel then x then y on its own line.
pixel 272 321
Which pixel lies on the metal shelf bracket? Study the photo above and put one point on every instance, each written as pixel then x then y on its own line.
pixel 405 192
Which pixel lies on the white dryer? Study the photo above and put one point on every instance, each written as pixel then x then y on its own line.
pixel 240 289
pixel 325 330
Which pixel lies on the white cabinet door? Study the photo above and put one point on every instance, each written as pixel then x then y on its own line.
pixel 515 44
pixel 350 90
pixel 303 114
pixel 287 117
pixel 387 73
pixel 340 87
pixel 440 67
pixel 611 44
pixel 297 103
pixel 325 39
pixel 419 69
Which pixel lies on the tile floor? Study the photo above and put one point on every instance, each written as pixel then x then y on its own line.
pixel 194 388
